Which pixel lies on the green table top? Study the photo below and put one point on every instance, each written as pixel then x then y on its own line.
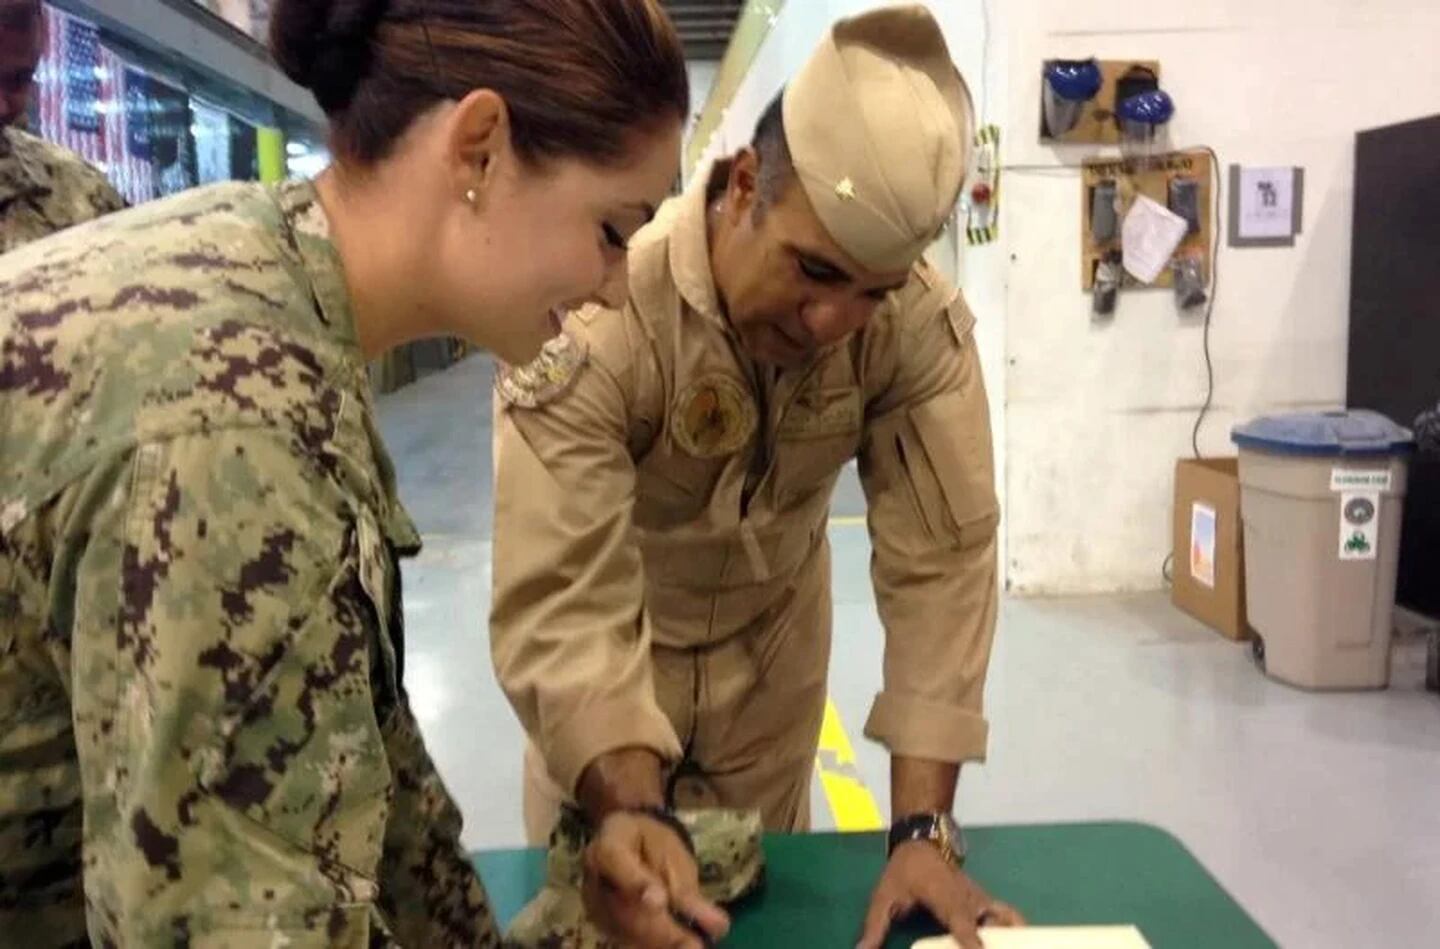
pixel 818 886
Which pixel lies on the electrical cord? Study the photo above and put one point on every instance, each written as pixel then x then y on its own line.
pixel 1214 282
pixel 1210 305
pixel 1167 567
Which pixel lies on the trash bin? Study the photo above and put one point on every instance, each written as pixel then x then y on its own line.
pixel 1320 499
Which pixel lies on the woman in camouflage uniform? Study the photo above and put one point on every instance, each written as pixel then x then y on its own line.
pixel 204 734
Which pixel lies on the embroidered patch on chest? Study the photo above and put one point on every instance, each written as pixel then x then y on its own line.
pixel 713 416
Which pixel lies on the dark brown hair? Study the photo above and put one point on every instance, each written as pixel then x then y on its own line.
pixel 577 75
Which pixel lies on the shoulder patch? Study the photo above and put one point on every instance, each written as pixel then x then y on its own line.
pixel 545 378
pixel 714 416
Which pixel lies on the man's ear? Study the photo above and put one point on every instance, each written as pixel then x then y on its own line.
pixel 742 192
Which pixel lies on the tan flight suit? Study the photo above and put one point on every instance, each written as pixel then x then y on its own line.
pixel 661 564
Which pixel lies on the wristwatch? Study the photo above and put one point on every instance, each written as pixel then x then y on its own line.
pixel 938 828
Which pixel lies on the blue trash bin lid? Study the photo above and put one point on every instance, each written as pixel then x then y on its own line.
pixel 1353 432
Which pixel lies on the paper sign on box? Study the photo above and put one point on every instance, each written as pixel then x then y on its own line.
pixel 1202 543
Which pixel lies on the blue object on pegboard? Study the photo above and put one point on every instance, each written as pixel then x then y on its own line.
pixel 1148 108
pixel 1076 80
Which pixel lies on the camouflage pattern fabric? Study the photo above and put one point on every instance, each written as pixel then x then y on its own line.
pixel 732 866
pixel 45 188
pixel 199 600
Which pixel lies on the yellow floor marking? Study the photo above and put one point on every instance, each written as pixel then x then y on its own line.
pixel 851 803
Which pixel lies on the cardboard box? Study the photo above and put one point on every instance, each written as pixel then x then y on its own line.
pixel 1209 571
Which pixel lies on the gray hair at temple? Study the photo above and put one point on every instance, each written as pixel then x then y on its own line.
pixel 776 166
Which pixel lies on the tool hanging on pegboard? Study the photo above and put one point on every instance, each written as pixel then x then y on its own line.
pixel 982 203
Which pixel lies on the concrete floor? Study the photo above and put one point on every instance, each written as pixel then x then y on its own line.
pixel 1320 813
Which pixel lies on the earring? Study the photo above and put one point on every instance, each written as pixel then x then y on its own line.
pixel 471 196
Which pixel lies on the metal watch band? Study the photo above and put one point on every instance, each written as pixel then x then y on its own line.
pixel 937 828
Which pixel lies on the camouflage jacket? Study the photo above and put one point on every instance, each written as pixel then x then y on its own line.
pixel 199 599
pixel 45 188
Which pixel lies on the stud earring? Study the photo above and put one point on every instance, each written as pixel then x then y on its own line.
pixel 471 196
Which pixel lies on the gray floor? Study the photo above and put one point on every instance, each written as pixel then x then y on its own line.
pixel 1321 813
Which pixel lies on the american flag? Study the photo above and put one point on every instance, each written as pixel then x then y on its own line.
pixel 129 168
pixel 70 88
pixel 120 118
pixel 83 104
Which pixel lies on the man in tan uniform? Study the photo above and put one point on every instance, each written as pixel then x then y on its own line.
pixel 43 188
pixel 662 602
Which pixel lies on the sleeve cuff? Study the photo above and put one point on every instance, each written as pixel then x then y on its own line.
pixel 916 728
pixel 605 727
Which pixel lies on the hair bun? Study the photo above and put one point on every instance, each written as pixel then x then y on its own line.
pixel 325 45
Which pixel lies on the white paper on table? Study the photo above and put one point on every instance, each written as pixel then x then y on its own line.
pixel 1149 236
pixel 1049 937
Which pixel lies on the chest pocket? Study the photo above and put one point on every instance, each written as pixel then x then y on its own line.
pixel 818 435
pixel 673 488
pixel 700 458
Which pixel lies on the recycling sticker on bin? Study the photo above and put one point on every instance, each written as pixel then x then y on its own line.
pixel 1359 524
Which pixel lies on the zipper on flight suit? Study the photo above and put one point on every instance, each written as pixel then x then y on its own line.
pixel 760 457
pixel 763 458
pixel 687 765
pixel 762 461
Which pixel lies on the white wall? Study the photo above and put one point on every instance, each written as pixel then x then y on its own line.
pixel 981 56
pixel 1098 413
pixel 702 80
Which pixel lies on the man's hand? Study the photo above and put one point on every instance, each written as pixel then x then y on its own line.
pixel 640 881
pixel 917 877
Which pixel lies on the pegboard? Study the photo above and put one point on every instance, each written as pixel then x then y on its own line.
pixel 1097 125
pixel 1149 176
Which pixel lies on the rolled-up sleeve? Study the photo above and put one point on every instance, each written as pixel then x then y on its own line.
pixel 927 466
pixel 568 631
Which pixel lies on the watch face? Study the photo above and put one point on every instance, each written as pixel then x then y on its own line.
pixel 939 829
pixel 952 838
